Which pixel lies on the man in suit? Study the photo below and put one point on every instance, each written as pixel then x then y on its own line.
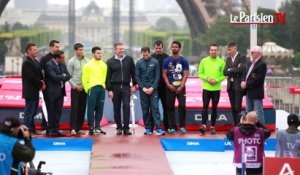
pixel 56 75
pixel 253 83
pixel 32 83
pixel 234 70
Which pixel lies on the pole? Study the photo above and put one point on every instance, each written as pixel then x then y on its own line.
pixel 253 27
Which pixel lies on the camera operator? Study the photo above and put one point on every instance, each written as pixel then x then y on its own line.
pixel 288 141
pixel 253 135
pixel 15 147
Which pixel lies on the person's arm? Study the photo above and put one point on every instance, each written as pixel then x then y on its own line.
pixel 108 77
pixel 138 75
pixel 85 78
pixel 240 69
pixel 230 134
pixel 221 77
pixel 227 69
pixel 51 73
pixel 278 145
pixel 133 79
pixel 66 72
pixel 259 78
pixel 156 75
pixel 70 67
pixel 27 72
pixel 201 73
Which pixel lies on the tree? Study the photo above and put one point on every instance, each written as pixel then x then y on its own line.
pixel 165 24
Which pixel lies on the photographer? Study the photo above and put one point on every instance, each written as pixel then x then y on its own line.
pixel 15 147
pixel 288 141
pixel 253 137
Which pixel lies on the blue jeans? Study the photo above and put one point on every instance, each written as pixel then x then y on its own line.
pixel 31 106
pixel 255 105
pixel 150 103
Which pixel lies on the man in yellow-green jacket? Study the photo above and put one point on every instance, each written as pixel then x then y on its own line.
pixel 211 73
pixel 93 80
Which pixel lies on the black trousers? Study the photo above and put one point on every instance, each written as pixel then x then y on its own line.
pixel 162 96
pixel 121 97
pixel 214 96
pixel 78 105
pixel 171 96
pixel 235 97
pixel 54 108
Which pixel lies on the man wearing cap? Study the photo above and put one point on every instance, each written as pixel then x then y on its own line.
pixel 12 151
pixel 253 83
pixel 288 141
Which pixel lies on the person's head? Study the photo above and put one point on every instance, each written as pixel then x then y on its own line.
pixel 213 50
pixel 59 56
pixel 250 118
pixel 96 51
pixel 145 51
pixel 175 47
pixel 54 46
pixel 232 49
pixel 12 126
pixel 158 47
pixel 31 50
pixel 293 120
pixel 256 52
pixel 79 50
pixel 119 49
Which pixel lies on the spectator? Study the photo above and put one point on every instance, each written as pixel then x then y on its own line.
pixel 288 141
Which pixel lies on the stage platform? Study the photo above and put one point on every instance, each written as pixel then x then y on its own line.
pixel 141 154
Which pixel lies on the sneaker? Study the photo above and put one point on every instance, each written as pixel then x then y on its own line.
pixel 182 130
pixel 73 132
pixel 91 131
pixel 212 131
pixel 172 131
pixel 160 132
pixel 202 129
pixel 99 131
pixel 148 132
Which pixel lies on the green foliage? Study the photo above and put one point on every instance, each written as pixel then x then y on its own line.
pixel 296 59
pixel 165 24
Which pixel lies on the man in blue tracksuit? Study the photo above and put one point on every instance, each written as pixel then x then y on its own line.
pixel 147 74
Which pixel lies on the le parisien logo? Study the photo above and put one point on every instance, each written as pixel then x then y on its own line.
pixel 258 18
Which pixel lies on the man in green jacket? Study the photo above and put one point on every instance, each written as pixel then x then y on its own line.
pixel 211 73
pixel 93 81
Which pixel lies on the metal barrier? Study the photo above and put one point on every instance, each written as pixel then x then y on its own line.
pixel 279 89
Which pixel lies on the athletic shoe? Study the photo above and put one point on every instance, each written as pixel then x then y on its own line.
pixel 98 131
pixel 91 131
pixel 73 132
pixel 160 132
pixel 172 131
pixel 202 129
pixel 148 132
pixel 212 131
pixel 182 130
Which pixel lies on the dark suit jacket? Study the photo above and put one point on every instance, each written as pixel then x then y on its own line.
pixel 55 76
pixel 31 78
pixel 256 79
pixel 235 70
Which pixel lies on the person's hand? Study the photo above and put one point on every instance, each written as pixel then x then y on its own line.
pixel 179 89
pixel 171 88
pixel 25 131
pixel 132 89
pixel 150 90
pixel 243 85
pixel 110 94
pixel 78 88
pixel 43 86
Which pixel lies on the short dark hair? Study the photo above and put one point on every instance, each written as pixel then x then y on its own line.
pixel 52 42
pixel 118 44
pixel 145 49
pixel 77 46
pixel 94 49
pixel 28 46
pixel 177 42
pixel 158 43
pixel 58 53
pixel 213 44
pixel 232 44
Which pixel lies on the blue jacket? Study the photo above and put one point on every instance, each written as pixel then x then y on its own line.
pixel 147 73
